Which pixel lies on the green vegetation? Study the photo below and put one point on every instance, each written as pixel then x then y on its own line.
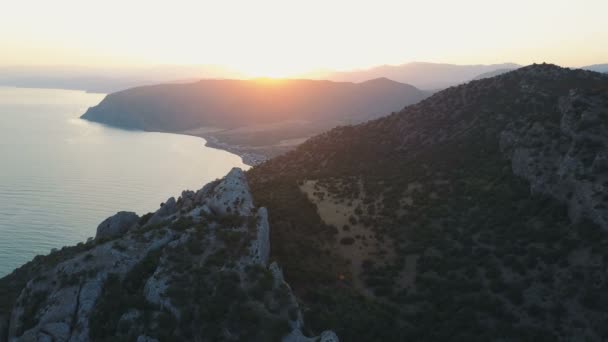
pixel 31 307
pixel 12 284
pixel 490 258
pixel 181 224
pixel 119 296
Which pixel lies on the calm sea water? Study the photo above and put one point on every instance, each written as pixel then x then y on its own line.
pixel 60 176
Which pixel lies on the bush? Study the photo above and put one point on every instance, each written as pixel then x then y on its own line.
pixel 347 240
pixel 182 223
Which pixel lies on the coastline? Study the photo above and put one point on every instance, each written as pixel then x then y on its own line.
pixel 248 158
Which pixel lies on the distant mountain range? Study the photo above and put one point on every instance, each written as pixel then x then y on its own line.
pixel 432 76
pixel 493 73
pixel 267 115
pixel 428 76
pixel 106 80
pixel 597 67
pixel 419 74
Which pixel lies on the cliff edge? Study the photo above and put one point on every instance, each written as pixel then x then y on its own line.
pixel 196 269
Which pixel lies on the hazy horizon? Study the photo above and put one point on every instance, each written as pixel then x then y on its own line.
pixel 220 71
pixel 278 39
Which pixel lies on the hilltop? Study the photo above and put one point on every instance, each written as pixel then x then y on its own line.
pixel 477 214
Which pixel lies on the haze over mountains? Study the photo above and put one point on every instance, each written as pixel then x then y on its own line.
pixel 429 76
pixel 597 67
pixel 421 75
pixel 105 79
pixel 261 118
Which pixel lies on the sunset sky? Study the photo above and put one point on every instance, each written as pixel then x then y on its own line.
pixel 280 38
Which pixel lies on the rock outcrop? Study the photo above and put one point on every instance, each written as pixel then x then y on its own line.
pixel 196 269
pixel 116 225
pixel 566 159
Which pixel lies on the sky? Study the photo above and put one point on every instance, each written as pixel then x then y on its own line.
pixel 283 37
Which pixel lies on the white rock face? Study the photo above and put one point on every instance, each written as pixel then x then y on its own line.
pixel 260 247
pixel 70 290
pixel 231 195
pixel 116 225
pixel 64 296
pixel 167 209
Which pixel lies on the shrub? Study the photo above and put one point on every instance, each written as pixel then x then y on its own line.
pixel 347 240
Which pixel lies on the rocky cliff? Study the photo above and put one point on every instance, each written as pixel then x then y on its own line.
pixel 195 270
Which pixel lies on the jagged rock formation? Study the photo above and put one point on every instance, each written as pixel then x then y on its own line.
pixel 196 269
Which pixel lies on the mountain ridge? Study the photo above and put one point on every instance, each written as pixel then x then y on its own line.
pixel 254 116
pixel 423 75
pixel 467 205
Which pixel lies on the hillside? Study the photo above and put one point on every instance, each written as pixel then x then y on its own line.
pixel 477 214
pixel 197 269
pixel 262 116
pixel 428 76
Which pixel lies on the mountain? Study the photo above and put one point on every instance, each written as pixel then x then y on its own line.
pixel 419 74
pixel 197 269
pixel 493 73
pixel 263 115
pixel 477 214
pixel 597 67
pixel 105 80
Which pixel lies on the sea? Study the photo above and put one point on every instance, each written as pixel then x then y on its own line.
pixel 60 176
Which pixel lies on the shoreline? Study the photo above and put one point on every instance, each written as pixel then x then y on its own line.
pixel 248 158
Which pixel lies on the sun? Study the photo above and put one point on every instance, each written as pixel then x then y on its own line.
pixel 272 68
pixel 269 72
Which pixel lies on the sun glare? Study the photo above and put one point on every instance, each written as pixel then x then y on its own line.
pixel 273 38
pixel 269 70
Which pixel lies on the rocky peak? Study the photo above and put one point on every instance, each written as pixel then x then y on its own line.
pixel 197 268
